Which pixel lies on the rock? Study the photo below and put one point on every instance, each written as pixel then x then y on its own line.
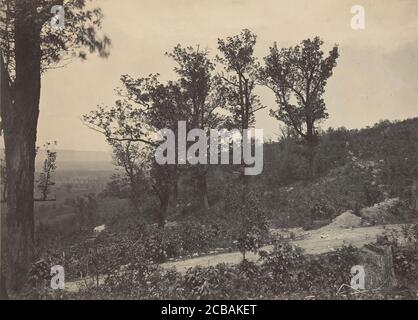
pixel 99 229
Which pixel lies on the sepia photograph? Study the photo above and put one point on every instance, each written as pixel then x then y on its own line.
pixel 209 156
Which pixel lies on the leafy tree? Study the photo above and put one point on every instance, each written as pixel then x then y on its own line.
pixel 201 100
pixel 168 107
pixel 239 80
pixel 252 230
pixel 45 182
pixel 298 76
pixel 29 46
pixel 240 77
pixel 144 106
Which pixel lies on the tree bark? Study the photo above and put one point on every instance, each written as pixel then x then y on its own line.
pixel 19 119
pixel 5 101
pixel 3 291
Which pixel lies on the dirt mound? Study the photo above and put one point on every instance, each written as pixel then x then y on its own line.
pixel 346 220
pixel 343 221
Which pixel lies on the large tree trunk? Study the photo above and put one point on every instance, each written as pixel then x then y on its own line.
pixel 5 101
pixel 19 119
pixel 20 219
pixel 3 291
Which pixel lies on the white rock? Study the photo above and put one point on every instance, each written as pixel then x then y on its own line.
pixel 99 229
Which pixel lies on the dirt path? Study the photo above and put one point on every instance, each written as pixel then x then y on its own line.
pixel 313 242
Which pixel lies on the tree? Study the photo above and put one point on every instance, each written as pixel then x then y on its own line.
pixel 201 100
pixel 121 126
pixel 143 107
pixel 44 182
pixel 252 230
pixel 167 107
pixel 298 76
pixel 29 46
pixel 239 80
pixel 240 77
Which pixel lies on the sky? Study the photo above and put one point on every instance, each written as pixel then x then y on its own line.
pixel 376 76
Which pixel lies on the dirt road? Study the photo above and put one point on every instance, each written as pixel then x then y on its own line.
pixel 313 242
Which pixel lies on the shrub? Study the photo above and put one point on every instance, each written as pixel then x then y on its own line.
pixel 284 265
pixel 252 230
pixel 291 271
pixel 196 238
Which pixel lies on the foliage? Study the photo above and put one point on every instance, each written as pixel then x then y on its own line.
pixel 45 181
pixel 81 32
pixel 252 228
pixel 86 210
pixel 238 82
pixel 279 273
pixel 298 76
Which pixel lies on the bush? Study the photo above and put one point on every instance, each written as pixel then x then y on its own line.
pixel 252 230
pixel 197 238
pixel 283 266
pixel 291 271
